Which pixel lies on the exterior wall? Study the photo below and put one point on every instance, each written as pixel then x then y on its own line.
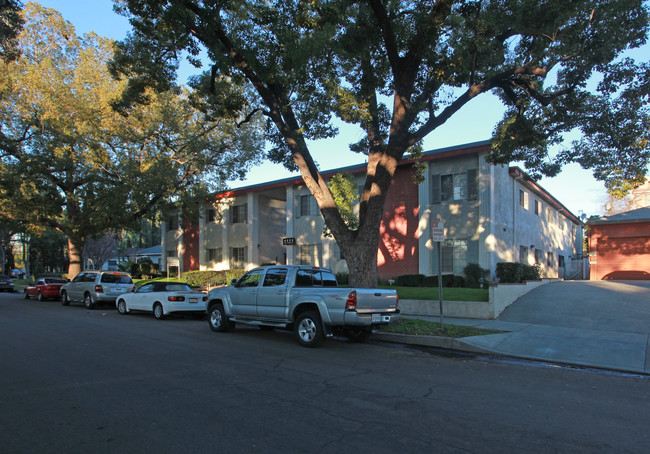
pixel 191 247
pixel 620 251
pixel 272 226
pixel 549 232
pixel 399 233
pixel 211 236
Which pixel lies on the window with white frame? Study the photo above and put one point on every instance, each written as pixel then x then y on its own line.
pixel 454 256
pixel 210 215
pixel 215 254
pixel 538 256
pixel 523 199
pixel 523 254
pixel 238 257
pixel 538 207
pixel 239 213
pixel 454 186
pixel 549 259
pixel 172 222
pixel 549 215
pixel 308 205
pixel 172 253
pixel 308 254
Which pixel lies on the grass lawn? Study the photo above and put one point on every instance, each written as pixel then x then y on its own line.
pixel 448 293
pixel 428 328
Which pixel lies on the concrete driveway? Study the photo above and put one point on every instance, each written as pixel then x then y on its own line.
pixel 601 324
pixel 622 306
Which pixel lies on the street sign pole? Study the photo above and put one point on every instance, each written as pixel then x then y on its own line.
pixel 442 321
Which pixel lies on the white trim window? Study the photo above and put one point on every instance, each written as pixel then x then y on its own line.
pixel 454 186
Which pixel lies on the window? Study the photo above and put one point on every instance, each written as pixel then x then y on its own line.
pixel 549 215
pixel 454 256
pixel 239 214
pixel 538 207
pixel 523 199
pixel 315 278
pixel 172 253
pixel 250 279
pixel 308 254
pixel 538 256
pixel 172 222
pixel 215 254
pixel 210 215
pixel 275 276
pixel 523 254
pixel 238 257
pixel 456 186
pixel 549 259
pixel 308 205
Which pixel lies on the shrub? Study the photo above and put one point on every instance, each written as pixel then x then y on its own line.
pixel 474 275
pixel 508 272
pixel 409 280
pixel 210 278
pixel 430 281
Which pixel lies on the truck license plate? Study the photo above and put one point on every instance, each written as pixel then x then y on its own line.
pixel 376 318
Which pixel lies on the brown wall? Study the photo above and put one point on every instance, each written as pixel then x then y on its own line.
pixel 622 251
pixel 191 249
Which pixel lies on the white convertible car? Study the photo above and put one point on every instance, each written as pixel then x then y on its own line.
pixel 163 298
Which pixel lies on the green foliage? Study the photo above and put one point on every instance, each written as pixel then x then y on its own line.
pixel 398 70
pixel 511 272
pixel 409 280
pixel 343 278
pixel 416 326
pixel 211 278
pixel 474 275
pixel 72 163
pixel 345 192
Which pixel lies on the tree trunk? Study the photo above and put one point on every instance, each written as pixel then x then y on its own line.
pixel 74 254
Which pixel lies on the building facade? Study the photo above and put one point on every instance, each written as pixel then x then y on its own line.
pixel 490 214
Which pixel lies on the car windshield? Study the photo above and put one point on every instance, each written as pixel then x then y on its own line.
pixel 178 288
pixel 116 279
pixel 55 280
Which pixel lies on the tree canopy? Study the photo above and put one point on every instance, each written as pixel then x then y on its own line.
pixel 399 69
pixel 71 162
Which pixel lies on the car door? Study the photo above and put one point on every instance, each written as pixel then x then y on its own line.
pixel 75 289
pixel 272 295
pixel 141 298
pixel 244 293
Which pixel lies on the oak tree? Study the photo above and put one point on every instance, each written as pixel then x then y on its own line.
pixel 72 163
pixel 399 69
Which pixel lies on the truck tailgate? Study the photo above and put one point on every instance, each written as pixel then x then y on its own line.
pixel 376 300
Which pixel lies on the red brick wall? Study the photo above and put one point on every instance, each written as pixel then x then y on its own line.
pixel 398 233
pixel 622 251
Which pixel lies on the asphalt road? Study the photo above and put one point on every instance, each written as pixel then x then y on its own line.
pixel 79 381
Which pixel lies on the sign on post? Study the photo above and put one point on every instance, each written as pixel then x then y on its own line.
pixel 438 236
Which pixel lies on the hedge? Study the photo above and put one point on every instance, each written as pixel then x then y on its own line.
pixel 514 273
pixel 210 278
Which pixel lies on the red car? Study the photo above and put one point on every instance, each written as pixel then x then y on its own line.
pixel 44 288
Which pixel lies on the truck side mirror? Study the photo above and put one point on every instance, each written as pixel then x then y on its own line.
pixel 233 282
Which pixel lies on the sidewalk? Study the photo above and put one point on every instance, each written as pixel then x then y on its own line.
pixel 598 348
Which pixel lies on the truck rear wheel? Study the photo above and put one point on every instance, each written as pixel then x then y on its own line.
pixel 309 329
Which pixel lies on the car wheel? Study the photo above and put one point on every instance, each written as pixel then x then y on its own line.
pixel 217 318
pixel 358 335
pixel 158 311
pixel 309 329
pixel 64 299
pixel 40 296
pixel 88 301
pixel 25 295
pixel 121 307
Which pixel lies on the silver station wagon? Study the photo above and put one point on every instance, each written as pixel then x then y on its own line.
pixel 96 287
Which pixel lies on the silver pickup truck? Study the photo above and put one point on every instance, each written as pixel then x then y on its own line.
pixel 303 298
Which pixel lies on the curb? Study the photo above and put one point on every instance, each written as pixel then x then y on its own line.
pixel 449 343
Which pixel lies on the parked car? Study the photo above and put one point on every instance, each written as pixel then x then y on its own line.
pixel 304 298
pixel 163 298
pixel 44 288
pixel 6 283
pixel 95 287
pixel 18 273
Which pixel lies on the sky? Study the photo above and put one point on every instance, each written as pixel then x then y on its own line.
pixel 574 187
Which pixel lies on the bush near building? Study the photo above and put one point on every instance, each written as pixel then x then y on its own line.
pixel 515 273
